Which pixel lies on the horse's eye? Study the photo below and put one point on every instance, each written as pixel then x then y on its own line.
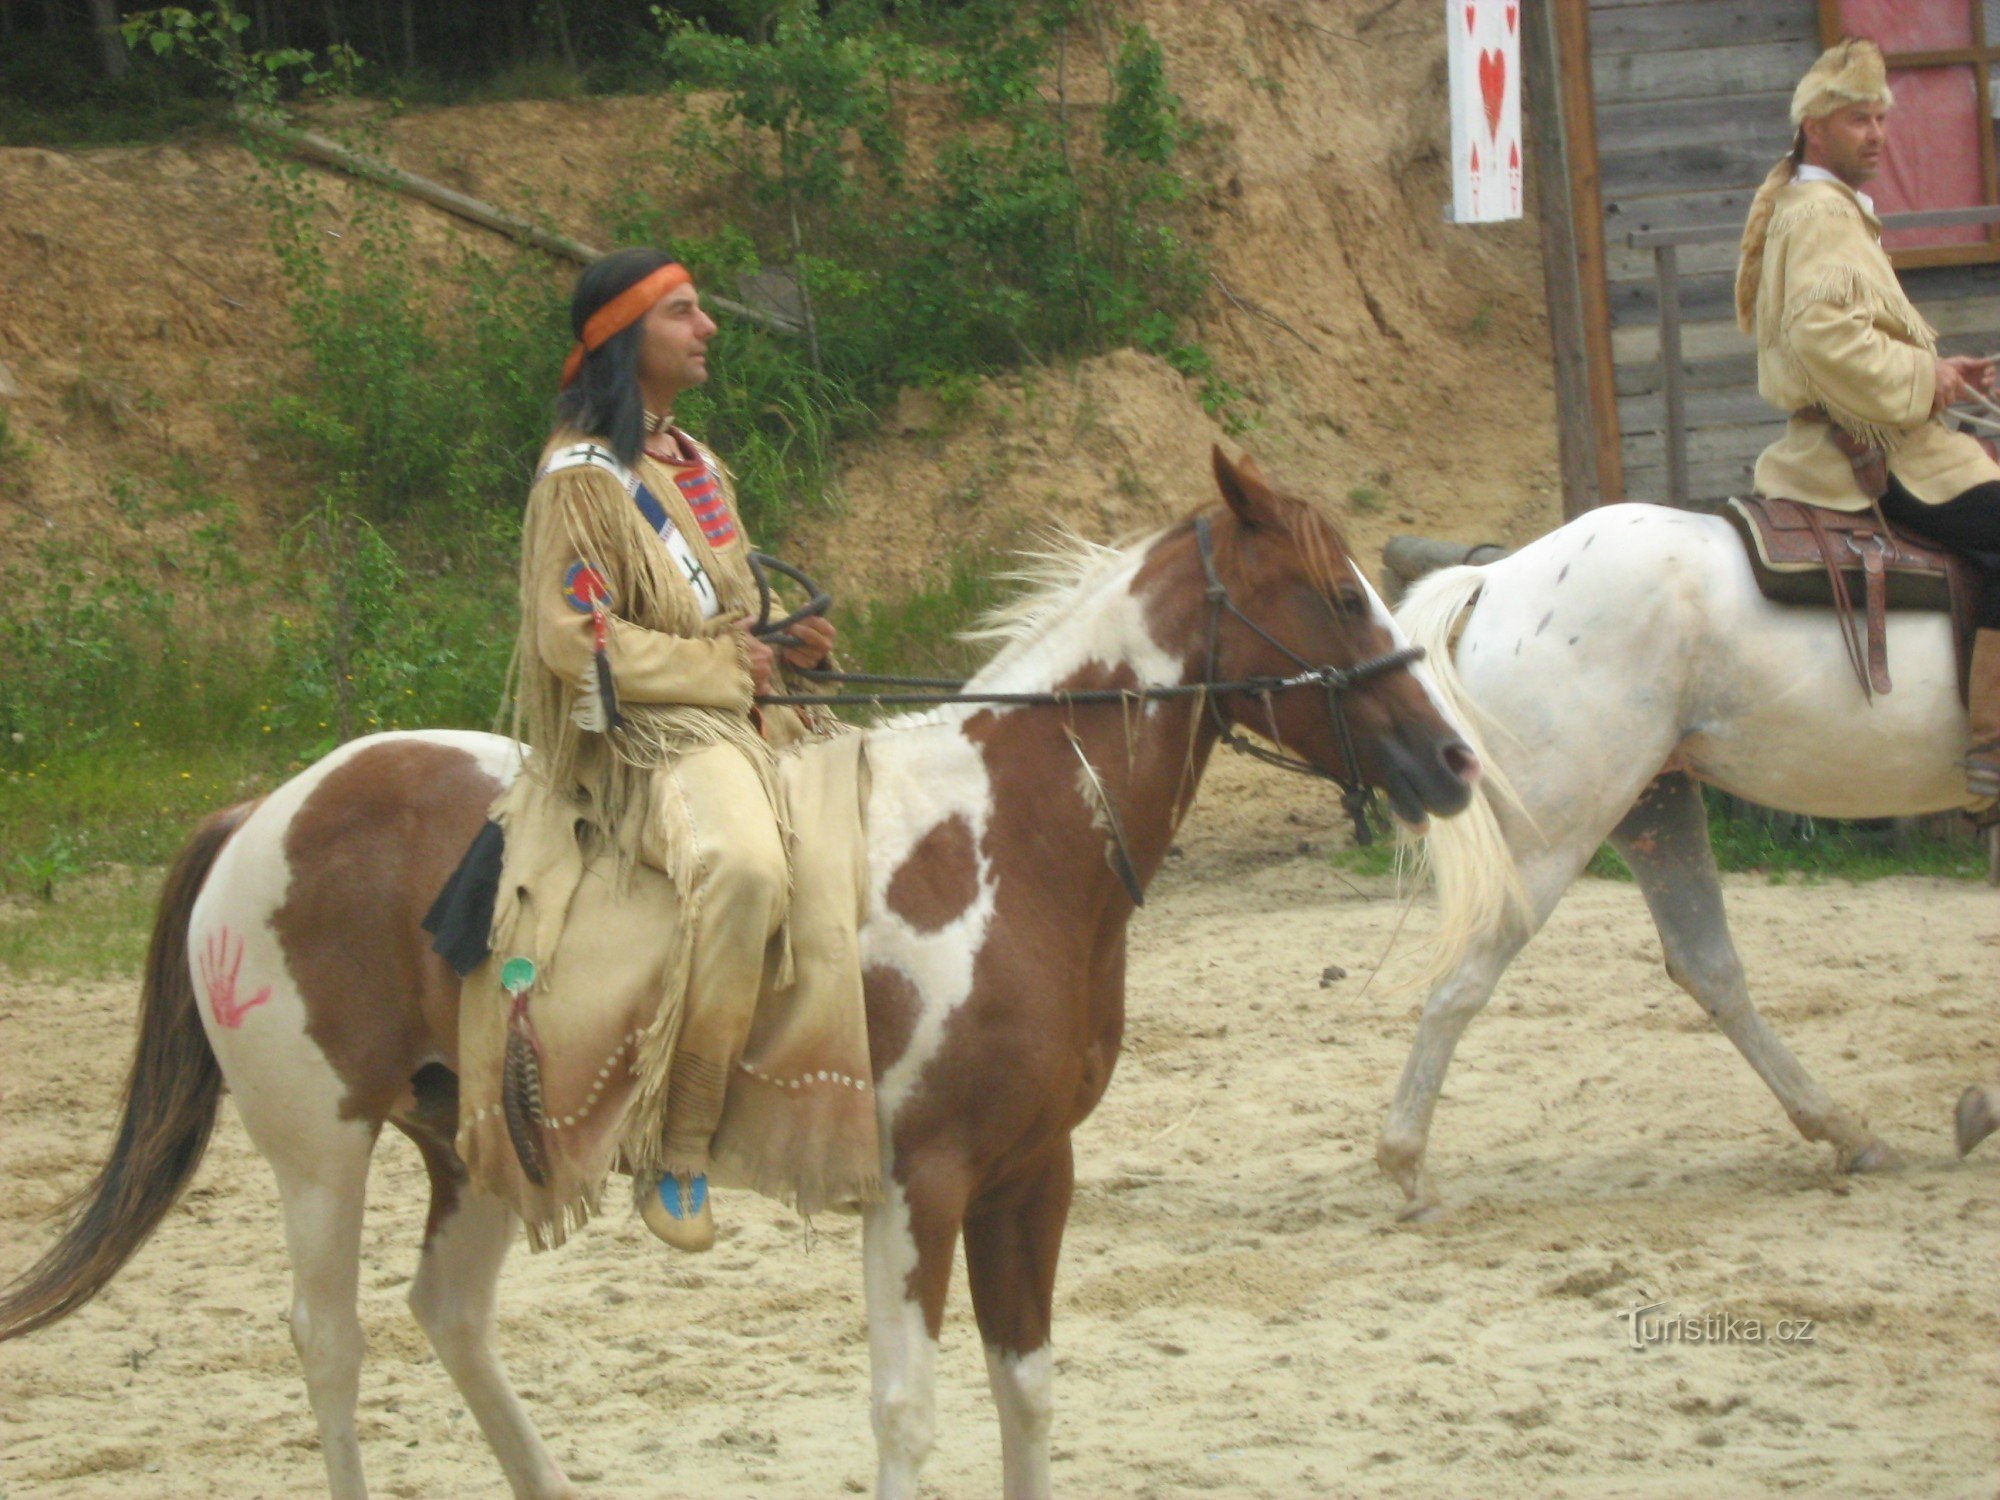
pixel 1351 603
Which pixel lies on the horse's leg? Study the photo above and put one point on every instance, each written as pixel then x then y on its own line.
pixel 1664 838
pixel 1010 1263
pixel 1449 1010
pixel 322 1182
pixel 1545 875
pixel 907 1242
pixel 465 1241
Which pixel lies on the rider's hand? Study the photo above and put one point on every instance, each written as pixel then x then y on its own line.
pixel 815 635
pixel 1951 384
pixel 762 661
pixel 1979 374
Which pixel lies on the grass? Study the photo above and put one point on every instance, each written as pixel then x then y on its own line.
pixel 95 928
pixel 1749 846
pixel 917 634
pixel 121 803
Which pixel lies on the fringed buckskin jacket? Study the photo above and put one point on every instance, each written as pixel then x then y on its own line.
pixel 679 667
pixel 1835 331
pixel 678 663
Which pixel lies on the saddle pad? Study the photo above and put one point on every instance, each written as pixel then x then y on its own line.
pixel 1785 555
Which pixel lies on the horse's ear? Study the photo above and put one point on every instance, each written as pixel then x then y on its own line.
pixel 1243 487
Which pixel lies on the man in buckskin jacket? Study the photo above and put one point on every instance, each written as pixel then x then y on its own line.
pixel 1840 347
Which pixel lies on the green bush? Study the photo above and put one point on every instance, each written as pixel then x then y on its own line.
pixel 1031 232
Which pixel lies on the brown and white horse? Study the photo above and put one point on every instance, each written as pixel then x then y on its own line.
pixel 287 961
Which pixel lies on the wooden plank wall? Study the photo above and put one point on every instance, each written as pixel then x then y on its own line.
pixel 1693 100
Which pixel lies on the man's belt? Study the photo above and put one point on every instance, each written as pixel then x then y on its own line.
pixel 1870 465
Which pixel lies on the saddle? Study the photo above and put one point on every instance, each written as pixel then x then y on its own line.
pixel 1861 566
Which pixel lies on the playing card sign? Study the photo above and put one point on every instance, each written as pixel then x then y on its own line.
pixel 1483 47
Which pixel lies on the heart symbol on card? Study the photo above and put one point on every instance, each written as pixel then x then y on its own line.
pixel 1471 15
pixel 1492 86
pixel 1513 11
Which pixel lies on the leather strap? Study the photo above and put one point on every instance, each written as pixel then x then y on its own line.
pixel 1873 551
pixel 1870 465
pixel 1843 603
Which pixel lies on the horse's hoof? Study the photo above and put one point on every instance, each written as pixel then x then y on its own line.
pixel 1874 1157
pixel 1975 1118
pixel 1423 1213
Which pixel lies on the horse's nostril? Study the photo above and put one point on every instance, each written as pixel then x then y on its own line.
pixel 1460 761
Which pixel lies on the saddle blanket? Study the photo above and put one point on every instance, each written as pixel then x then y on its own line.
pixel 798 1120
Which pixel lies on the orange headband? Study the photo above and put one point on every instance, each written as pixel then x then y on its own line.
pixel 622 311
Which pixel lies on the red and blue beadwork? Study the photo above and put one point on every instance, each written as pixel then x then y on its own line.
pixel 584 588
pixel 710 506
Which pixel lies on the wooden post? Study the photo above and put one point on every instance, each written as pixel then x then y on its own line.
pixel 1666 265
pixel 1548 164
pixel 1579 113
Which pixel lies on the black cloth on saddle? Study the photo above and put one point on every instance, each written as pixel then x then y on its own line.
pixel 461 919
pixel 1969 524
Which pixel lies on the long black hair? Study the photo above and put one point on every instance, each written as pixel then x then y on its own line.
pixel 604 401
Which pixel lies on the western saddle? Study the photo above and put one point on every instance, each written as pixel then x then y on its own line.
pixel 1860 565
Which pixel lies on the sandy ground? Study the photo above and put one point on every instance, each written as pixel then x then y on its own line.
pixel 1237 1313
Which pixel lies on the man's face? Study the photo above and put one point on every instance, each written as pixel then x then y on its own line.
pixel 1848 142
pixel 673 344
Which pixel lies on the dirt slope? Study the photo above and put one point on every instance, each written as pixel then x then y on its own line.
pixel 140 304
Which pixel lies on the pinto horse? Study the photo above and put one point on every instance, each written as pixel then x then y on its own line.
pixel 288 962
pixel 1610 667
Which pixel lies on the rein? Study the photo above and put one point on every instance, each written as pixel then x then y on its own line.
pixel 1333 681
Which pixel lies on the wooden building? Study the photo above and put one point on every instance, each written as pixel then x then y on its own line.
pixel 1668 114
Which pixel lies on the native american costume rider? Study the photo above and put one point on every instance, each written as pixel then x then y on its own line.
pixel 648 847
pixel 1841 348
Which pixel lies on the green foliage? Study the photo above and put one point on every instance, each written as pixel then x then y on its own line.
pixel 1027 235
pixel 918 634
pixel 432 415
pixel 138 694
pixel 38 873
pixel 190 653
pixel 213 40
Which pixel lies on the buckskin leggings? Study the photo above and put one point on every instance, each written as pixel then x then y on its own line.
pixel 1968 524
pixel 739 905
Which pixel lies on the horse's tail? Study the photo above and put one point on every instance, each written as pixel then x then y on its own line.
pixel 1479 886
pixel 171 1100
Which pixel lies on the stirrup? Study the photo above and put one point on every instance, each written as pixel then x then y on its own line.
pixel 677 1212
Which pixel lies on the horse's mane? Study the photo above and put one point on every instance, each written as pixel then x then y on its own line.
pixel 1060 565
pixel 1049 574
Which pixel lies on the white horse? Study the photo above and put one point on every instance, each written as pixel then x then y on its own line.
pixel 1611 666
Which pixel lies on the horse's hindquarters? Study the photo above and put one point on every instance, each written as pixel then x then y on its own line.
pixel 314 978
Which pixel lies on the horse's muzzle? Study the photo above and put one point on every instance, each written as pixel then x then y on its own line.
pixel 1435 779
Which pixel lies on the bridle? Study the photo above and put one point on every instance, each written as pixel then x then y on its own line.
pixel 1355 794
pixel 1334 682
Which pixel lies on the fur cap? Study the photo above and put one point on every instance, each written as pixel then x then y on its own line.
pixel 1849 72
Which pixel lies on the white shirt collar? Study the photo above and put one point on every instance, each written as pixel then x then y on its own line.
pixel 1809 173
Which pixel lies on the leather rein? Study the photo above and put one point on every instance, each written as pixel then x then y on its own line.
pixel 1356 795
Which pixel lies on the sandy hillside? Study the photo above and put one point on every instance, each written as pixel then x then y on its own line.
pixel 141 309
pixel 1237 1313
